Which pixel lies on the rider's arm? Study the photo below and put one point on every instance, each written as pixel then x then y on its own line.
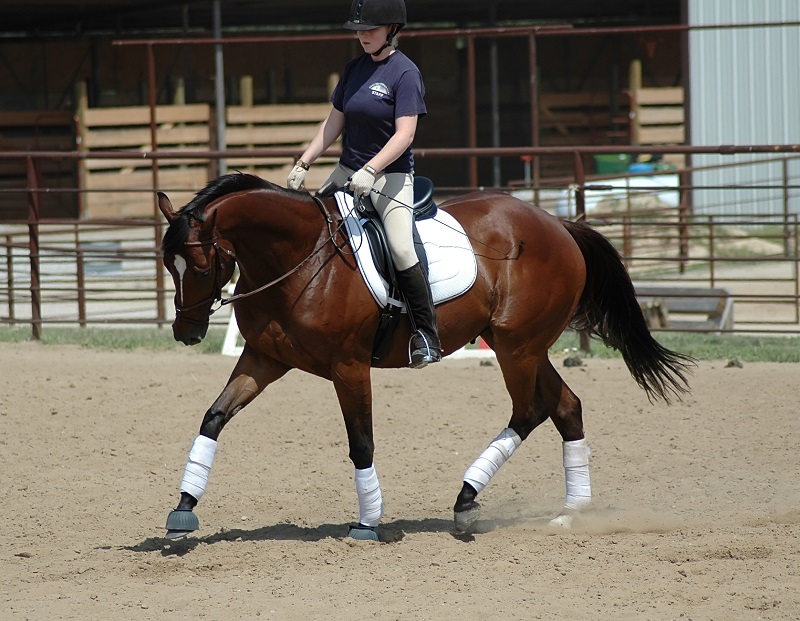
pixel 327 132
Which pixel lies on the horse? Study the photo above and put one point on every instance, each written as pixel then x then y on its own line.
pixel 301 303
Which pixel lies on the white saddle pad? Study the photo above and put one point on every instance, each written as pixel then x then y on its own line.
pixel 452 267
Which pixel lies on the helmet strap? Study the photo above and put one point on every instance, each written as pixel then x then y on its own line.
pixel 389 39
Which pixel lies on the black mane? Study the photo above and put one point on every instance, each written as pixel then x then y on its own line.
pixel 178 231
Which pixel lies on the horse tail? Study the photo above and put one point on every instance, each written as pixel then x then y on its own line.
pixel 608 308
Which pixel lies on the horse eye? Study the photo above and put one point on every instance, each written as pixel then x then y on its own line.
pixel 204 274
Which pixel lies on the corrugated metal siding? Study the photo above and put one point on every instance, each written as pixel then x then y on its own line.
pixel 745 85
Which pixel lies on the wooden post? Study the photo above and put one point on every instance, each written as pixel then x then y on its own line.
pixel 179 96
pixel 246 99
pixel 246 91
pixel 81 105
pixel 333 80
pixel 635 85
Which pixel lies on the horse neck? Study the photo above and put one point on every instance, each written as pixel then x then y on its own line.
pixel 270 231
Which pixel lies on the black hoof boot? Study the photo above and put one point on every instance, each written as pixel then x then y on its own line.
pixel 463 519
pixel 180 523
pixel 363 533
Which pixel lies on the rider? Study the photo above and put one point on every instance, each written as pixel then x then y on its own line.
pixel 377 103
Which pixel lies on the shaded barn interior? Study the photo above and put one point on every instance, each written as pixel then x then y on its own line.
pixel 63 64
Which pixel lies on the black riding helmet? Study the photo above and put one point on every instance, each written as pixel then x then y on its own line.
pixel 369 14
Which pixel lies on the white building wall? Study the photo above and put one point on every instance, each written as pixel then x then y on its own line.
pixel 745 90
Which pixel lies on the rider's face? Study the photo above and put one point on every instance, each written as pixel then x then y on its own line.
pixel 372 40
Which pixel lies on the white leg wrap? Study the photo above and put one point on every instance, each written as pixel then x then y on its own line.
pixel 201 457
pixel 496 454
pixel 370 499
pixel 576 471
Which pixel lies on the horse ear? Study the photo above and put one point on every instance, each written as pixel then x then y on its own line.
pixel 165 205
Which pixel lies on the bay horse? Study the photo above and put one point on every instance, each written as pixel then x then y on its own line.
pixel 301 303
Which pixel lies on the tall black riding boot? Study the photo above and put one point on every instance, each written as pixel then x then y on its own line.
pixel 424 347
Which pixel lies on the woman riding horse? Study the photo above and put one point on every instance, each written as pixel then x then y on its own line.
pixel 377 104
pixel 301 303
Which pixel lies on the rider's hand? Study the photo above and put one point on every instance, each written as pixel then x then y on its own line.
pixel 296 178
pixel 361 182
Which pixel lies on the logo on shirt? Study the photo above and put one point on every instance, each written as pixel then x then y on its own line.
pixel 379 89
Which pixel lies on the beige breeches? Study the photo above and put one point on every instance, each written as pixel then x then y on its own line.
pixel 397 214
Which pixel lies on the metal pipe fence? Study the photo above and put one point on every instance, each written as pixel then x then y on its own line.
pixel 108 272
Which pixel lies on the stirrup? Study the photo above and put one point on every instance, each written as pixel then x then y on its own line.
pixel 422 354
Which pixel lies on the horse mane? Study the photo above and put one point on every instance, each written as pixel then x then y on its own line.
pixel 178 231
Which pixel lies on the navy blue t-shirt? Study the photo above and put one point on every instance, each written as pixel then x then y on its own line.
pixel 372 95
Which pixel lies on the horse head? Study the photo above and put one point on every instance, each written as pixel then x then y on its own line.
pixel 200 264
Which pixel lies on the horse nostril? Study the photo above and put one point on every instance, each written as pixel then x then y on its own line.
pixel 193 340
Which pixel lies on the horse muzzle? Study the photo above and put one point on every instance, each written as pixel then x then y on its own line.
pixel 189 331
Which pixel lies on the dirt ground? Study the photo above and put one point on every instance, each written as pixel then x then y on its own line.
pixel 696 512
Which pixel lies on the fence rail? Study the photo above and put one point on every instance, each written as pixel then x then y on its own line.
pixel 108 272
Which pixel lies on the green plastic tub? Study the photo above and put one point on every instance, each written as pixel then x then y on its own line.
pixel 610 163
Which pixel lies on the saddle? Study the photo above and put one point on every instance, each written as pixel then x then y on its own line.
pixel 424 207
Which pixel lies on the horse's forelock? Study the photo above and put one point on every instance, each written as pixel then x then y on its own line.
pixel 176 235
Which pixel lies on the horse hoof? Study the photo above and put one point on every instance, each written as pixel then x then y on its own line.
pixel 180 523
pixel 363 533
pixel 565 521
pixel 466 518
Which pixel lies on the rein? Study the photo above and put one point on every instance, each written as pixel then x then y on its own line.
pixel 216 296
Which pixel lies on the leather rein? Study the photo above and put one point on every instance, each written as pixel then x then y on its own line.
pixel 216 294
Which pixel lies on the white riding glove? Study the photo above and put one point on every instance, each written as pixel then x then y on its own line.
pixel 296 178
pixel 361 182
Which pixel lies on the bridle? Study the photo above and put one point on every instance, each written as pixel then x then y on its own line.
pixel 216 293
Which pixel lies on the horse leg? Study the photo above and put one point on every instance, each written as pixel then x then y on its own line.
pixel 252 374
pixel 527 413
pixel 354 391
pixel 567 416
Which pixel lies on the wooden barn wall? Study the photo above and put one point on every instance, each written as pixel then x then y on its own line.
pixel 43 75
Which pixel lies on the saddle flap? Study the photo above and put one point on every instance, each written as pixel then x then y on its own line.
pixel 452 263
pixel 379 248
